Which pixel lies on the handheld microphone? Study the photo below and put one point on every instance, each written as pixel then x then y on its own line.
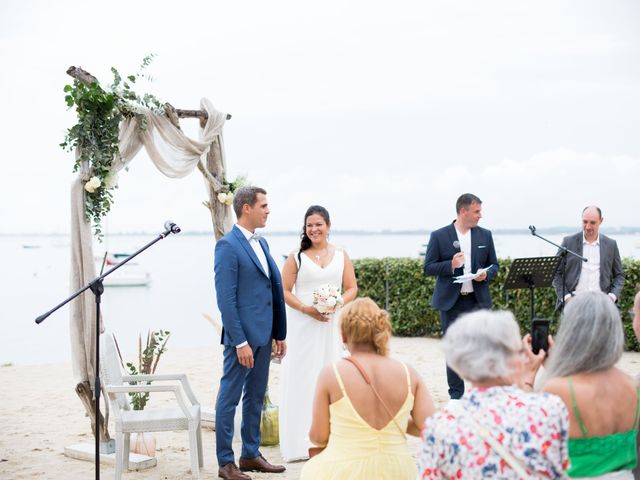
pixel 456 244
pixel 533 229
pixel 169 226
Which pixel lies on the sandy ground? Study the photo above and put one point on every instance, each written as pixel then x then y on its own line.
pixel 40 414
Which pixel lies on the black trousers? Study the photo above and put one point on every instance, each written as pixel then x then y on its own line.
pixel 464 304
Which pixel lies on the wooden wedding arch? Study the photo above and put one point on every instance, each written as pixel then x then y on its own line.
pixel 207 155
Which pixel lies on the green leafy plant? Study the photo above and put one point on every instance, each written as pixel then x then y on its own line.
pixel 148 360
pixel 240 181
pixel 100 112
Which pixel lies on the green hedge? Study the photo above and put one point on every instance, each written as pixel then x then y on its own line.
pixel 409 296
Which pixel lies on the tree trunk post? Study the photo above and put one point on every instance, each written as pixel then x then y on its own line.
pixel 220 213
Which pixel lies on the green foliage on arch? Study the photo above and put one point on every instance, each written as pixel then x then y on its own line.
pixel 100 112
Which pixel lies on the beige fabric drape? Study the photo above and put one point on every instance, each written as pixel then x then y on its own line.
pixel 175 155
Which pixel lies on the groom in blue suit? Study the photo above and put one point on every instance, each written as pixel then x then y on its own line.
pixel 251 301
pixel 461 247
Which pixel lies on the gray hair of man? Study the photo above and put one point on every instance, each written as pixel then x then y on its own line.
pixel 590 337
pixel 480 345
pixel 246 195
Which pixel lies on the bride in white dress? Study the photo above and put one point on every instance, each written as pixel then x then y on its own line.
pixel 313 339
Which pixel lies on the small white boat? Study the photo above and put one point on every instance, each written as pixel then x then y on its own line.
pixel 128 275
pixel 125 277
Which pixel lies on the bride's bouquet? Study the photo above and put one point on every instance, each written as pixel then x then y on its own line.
pixel 327 299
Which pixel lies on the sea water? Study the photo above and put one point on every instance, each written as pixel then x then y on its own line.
pixel 35 278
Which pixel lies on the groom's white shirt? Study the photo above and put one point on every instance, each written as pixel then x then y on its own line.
pixel 255 244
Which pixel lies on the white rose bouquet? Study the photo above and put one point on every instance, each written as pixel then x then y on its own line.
pixel 327 299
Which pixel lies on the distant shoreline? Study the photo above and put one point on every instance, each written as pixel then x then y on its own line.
pixel 285 233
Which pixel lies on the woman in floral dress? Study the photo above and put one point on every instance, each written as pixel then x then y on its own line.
pixel 499 428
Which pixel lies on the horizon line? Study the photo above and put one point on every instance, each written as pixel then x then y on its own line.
pixel 624 230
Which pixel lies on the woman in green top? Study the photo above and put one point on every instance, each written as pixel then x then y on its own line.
pixel 602 400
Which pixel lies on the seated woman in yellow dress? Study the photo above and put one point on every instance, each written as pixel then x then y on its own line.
pixel 362 425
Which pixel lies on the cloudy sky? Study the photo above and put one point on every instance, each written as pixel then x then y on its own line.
pixel 384 112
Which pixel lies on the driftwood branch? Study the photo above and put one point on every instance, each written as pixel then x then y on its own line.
pixel 79 74
pixel 214 170
pixel 216 184
pixel 83 389
pixel 82 75
pixel 201 114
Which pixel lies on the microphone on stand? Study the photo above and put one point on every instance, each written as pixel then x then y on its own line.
pixel 171 227
pixel 533 229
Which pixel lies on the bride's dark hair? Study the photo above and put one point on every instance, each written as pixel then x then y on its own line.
pixel 305 241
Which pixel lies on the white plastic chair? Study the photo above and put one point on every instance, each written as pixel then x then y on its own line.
pixel 184 417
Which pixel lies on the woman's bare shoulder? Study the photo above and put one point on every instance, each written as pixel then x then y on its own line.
pixel 557 386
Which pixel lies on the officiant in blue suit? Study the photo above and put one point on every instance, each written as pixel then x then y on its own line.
pixel 461 248
pixel 250 298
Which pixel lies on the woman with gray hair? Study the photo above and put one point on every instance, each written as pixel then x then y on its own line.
pixel 499 428
pixel 603 402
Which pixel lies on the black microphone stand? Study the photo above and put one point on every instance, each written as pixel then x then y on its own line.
pixel 97 288
pixel 563 253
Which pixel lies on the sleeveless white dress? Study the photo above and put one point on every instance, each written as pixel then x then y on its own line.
pixel 311 345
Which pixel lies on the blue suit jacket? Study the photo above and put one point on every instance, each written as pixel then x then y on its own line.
pixel 250 301
pixel 437 263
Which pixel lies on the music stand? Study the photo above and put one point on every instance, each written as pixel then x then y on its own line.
pixel 531 273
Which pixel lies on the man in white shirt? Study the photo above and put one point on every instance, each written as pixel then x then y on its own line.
pixel 603 268
pixel 461 248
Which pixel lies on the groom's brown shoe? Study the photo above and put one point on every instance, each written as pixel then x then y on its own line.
pixel 259 464
pixel 230 472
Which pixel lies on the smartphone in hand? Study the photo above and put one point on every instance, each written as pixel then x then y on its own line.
pixel 539 335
